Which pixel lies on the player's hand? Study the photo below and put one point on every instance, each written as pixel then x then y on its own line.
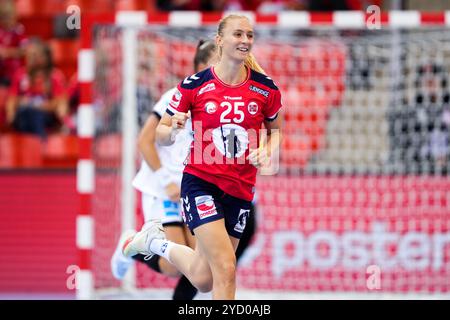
pixel 258 157
pixel 179 120
pixel 173 192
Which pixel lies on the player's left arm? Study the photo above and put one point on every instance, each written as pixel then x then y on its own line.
pixel 267 148
pixel 272 122
pixel 274 135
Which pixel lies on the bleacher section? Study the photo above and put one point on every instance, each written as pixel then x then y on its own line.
pixel 28 151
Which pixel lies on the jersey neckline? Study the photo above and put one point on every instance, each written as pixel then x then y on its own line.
pixel 229 85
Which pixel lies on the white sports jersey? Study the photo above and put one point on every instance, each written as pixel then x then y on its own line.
pixel 172 157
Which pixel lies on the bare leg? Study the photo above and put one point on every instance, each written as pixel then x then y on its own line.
pixel 213 263
pixel 174 234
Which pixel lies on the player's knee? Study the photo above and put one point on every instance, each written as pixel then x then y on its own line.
pixel 228 270
pixel 205 287
pixel 203 283
pixel 225 270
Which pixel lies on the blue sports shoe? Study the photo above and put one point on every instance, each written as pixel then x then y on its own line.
pixel 119 262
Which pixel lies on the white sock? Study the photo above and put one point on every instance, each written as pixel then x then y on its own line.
pixel 162 248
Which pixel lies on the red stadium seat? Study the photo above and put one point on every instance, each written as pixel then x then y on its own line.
pixel 108 151
pixel 39 26
pixel 3 98
pixel 28 151
pixel 68 70
pixel 89 6
pixel 60 150
pixel 65 55
pixel 20 151
pixel 64 51
pixel 28 8
pixel 132 4
pixel 295 151
pixel 182 63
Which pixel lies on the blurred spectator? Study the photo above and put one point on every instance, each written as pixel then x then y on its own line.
pixel 262 6
pixel 231 5
pixel 12 39
pixel 275 6
pixel 328 5
pixel 438 146
pixel 363 4
pixel 334 5
pixel 73 93
pixel 265 6
pixel 419 128
pixel 37 101
pixel 170 5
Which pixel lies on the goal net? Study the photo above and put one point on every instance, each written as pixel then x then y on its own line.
pixel 361 202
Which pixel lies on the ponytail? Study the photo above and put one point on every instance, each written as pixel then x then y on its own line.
pixel 251 63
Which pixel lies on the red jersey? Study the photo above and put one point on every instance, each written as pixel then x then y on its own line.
pixel 226 121
pixel 41 89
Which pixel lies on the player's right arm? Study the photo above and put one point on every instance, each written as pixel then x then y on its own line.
pixel 174 119
pixel 169 126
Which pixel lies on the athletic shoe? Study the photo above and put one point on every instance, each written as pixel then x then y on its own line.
pixel 140 243
pixel 119 262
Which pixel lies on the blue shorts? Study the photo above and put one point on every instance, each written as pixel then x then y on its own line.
pixel 203 202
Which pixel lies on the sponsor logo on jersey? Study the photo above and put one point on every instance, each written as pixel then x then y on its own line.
pixel 205 206
pixel 232 98
pixel 175 102
pixel 210 107
pixel 259 90
pixel 208 87
pixel 186 203
pixel 188 80
pixel 242 220
pixel 252 108
pixel 170 208
pixel 183 216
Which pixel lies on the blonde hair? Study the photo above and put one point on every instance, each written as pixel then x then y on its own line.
pixel 250 61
